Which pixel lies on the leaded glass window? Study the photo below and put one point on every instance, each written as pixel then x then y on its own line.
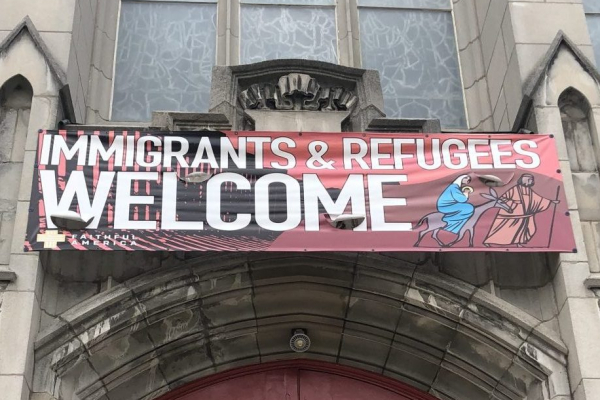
pixel 164 58
pixel 592 15
pixel 411 43
pixel 275 29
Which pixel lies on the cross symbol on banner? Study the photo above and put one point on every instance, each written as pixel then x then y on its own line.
pixel 51 239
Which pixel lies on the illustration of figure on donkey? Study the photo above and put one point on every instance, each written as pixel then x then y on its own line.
pixel 513 225
pixel 453 203
pixel 517 226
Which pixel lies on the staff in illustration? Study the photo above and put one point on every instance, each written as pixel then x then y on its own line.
pixel 516 226
pixel 454 208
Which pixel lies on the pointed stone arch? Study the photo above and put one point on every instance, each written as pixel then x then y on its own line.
pixel 564 65
pixel 24 52
pixel 16 95
pixel 579 130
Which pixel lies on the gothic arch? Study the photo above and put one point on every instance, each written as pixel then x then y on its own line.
pixel 380 313
pixel 579 130
pixel 16 95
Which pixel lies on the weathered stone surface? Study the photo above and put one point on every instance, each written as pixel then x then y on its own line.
pixel 297 92
pixel 536 22
pixel 576 321
pixel 220 317
pixel 14 387
pixel 587 189
pixel 10 176
pixel 296 121
pixel 20 312
pixel 229 82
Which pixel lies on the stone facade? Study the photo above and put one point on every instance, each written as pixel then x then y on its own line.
pixel 135 326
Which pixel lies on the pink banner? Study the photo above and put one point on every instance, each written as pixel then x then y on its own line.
pixel 292 191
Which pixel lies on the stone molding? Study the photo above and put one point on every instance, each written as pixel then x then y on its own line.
pixel 593 283
pixel 26 25
pixel 222 311
pixel 298 92
pixel 535 80
pixel 405 125
pixel 7 274
pixel 296 85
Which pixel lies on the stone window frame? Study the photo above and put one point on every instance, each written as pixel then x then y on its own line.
pixel 228 44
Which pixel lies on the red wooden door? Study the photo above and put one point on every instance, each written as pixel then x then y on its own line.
pixel 296 380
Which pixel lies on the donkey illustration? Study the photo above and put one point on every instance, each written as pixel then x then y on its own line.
pixel 435 222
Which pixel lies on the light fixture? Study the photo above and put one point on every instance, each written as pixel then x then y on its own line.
pixel 195 177
pixel 70 220
pixel 525 131
pixel 345 221
pixel 491 180
pixel 299 342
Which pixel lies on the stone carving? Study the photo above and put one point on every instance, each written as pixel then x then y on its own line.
pixel 297 92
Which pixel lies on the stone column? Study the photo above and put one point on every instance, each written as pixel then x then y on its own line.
pixel 228 32
pixel 20 304
pixel 347 33
pixel 579 313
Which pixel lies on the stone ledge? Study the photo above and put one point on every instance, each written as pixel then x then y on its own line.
pixel 6 274
pixel 407 125
pixel 593 282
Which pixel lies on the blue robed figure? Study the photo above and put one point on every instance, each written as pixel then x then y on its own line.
pixel 453 204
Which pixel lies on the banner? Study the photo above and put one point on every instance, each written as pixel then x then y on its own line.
pixel 297 191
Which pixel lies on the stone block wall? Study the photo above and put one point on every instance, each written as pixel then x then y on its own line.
pixel 535 24
pixel 53 19
pixel 500 61
pixel 468 38
pixel 15 108
pixel 80 55
pixel 97 106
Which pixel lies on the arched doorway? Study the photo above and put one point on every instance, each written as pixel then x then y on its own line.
pixel 295 380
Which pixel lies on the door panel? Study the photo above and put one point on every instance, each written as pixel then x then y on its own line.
pixel 270 385
pixel 296 380
pixel 324 386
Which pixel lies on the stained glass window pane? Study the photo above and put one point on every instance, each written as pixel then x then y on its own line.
pixel 272 32
pixel 292 2
pixel 178 1
pixel 420 4
pixel 164 59
pixel 416 56
pixel 593 22
pixel 591 6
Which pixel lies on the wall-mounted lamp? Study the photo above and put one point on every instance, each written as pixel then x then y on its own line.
pixel 346 221
pixel 195 177
pixel 70 220
pixel 492 180
pixel 299 342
